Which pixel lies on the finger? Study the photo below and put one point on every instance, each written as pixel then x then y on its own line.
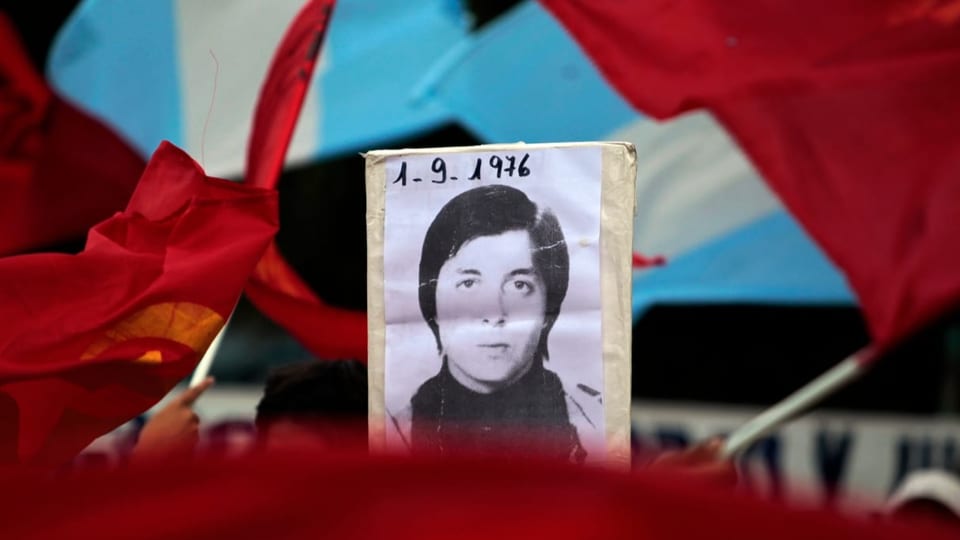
pixel 677 459
pixel 708 450
pixel 190 395
pixel 722 474
pixel 716 443
pixel 669 457
pixel 712 447
pixel 705 452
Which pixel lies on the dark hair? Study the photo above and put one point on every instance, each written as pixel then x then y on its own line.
pixel 314 390
pixel 489 211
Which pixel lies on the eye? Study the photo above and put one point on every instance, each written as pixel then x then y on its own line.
pixel 466 283
pixel 523 287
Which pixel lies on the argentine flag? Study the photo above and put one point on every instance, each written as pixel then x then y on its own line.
pixel 189 71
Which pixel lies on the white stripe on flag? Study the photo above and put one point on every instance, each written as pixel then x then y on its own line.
pixel 694 184
pixel 243 36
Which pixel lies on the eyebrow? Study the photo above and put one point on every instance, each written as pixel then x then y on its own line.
pixel 523 272
pixel 471 271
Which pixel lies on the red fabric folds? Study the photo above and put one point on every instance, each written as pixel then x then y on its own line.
pixel 848 108
pixel 89 341
pixel 61 171
pixel 275 288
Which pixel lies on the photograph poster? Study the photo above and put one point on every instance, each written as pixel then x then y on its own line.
pixel 498 300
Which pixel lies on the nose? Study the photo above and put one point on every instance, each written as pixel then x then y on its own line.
pixel 499 320
pixel 493 310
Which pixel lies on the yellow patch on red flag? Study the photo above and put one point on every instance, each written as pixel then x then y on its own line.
pixel 186 323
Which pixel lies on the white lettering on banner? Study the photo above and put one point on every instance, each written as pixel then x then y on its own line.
pixel 853 460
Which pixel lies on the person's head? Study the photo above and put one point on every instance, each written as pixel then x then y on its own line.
pixel 317 403
pixel 494 271
pixel 927 496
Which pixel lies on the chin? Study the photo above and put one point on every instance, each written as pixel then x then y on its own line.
pixel 487 376
pixel 494 378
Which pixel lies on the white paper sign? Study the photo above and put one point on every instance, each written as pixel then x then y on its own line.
pixel 492 301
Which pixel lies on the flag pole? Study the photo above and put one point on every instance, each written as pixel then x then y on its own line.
pixel 840 375
pixel 203 368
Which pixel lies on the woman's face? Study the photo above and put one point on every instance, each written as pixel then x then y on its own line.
pixel 490 310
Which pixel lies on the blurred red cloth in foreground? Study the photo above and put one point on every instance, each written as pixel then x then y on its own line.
pixel 322 496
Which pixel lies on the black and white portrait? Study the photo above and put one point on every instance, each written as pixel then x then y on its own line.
pixel 492 304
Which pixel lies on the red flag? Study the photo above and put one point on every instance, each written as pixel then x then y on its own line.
pixel 61 171
pixel 327 331
pixel 848 107
pixel 89 341
pixel 313 496
pixel 275 288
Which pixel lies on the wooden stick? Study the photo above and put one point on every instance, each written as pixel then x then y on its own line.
pixel 809 395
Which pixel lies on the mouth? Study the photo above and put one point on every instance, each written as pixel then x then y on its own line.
pixel 501 346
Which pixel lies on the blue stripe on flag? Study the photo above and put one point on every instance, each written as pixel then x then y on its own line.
pixel 377 50
pixel 771 260
pixel 523 78
pixel 144 96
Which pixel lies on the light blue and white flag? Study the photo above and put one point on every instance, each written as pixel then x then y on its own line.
pixel 522 78
pixel 148 68
pixel 726 237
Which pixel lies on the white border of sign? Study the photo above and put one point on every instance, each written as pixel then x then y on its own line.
pixel 618 173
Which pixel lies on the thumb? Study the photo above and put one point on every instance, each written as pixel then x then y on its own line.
pixel 711 449
pixel 714 445
pixel 190 395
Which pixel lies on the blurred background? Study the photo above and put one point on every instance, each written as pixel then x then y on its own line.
pixel 746 310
